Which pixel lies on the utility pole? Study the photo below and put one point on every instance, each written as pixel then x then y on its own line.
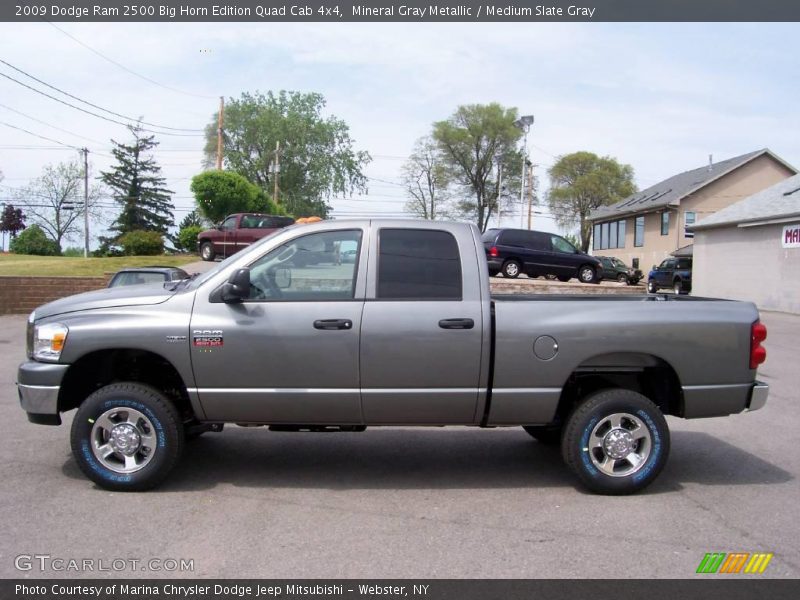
pixel 85 202
pixel 277 170
pixel 524 123
pixel 499 191
pixel 530 193
pixel 220 123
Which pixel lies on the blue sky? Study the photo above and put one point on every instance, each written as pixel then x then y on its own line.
pixel 661 97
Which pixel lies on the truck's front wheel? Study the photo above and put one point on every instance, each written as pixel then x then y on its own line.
pixel 127 437
pixel 616 441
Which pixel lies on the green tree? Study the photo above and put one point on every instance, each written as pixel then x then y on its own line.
pixel 220 193
pixel 55 201
pixel 142 243
pixel 316 155
pixel 424 176
pixel 34 241
pixel 478 147
pixel 582 182
pixel 138 188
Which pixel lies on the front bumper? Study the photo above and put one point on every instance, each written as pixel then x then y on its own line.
pixel 758 396
pixel 38 385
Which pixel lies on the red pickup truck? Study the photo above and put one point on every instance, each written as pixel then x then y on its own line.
pixel 238 231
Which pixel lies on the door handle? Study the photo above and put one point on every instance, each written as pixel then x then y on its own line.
pixel 331 324
pixel 456 323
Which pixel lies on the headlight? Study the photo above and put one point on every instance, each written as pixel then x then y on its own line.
pixel 48 341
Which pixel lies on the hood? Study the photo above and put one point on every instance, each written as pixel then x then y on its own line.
pixel 132 295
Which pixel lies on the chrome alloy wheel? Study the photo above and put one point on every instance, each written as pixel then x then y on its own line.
pixel 587 274
pixel 620 444
pixel 123 440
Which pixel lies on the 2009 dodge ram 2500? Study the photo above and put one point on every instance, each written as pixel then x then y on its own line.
pixel 406 333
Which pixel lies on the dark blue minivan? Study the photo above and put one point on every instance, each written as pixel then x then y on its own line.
pixel 515 251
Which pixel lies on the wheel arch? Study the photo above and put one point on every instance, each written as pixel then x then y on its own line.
pixel 641 372
pixel 103 367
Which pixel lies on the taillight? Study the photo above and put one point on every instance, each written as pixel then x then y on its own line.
pixel 758 354
pixel 493 252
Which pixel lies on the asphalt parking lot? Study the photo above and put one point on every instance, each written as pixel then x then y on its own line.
pixel 399 502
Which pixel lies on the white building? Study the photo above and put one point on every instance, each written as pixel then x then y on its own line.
pixel 751 250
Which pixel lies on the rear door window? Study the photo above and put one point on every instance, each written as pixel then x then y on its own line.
pixel 419 264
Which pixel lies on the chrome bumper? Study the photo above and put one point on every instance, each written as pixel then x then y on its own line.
pixel 39 399
pixel 38 385
pixel 758 396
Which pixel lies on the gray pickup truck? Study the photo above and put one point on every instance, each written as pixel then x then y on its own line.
pixel 392 323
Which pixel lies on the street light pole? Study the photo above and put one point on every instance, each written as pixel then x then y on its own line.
pixel 524 123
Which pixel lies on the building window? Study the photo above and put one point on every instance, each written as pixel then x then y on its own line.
pixel 665 223
pixel 638 232
pixel 688 219
pixel 609 235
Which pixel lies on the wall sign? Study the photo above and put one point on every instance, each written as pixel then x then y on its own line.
pixel 791 236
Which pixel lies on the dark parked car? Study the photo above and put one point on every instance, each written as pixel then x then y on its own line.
pixel 535 253
pixel 140 275
pixel 614 268
pixel 675 273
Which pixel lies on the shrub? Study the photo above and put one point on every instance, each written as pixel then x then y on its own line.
pixel 34 241
pixel 187 238
pixel 142 243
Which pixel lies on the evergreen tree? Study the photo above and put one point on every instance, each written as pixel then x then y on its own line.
pixel 138 187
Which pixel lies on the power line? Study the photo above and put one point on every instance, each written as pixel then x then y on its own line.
pixel 88 112
pixel 126 69
pixel 37 135
pixel 49 125
pixel 111 112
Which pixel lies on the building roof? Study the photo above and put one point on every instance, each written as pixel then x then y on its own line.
pixel 670 191
pixel 778 202
pixel 684 251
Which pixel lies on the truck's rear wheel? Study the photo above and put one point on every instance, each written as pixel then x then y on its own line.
pixel 549 436
pixel 616 441
pixel 207 251
pixel 127 437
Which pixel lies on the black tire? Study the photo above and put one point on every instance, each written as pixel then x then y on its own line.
pixel 133 409
pixel 642 433
pixel 622 278
pixel 207 251
pixel 652 288
pixel 587 274
pixel 677 287
pixel 564 278
pixel 511 269
pixel 544 434
pixel 493 273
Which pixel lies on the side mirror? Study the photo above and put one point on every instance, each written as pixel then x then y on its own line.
pixel 654 267
pixel 238 286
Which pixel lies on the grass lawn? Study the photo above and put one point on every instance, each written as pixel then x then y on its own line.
pixel 21 264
